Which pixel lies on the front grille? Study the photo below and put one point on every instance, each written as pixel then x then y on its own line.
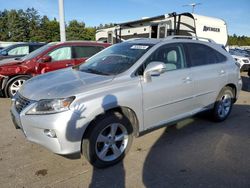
pixel 20 103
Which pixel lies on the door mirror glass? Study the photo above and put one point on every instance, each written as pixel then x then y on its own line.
pixel 155 68
pixel 45 59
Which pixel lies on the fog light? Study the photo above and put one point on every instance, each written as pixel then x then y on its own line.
pixel 50 133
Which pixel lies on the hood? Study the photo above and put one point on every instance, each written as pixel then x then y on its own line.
pixel 10 61
pixel 59 84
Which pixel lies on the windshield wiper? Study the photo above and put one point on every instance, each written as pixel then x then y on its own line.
pixel 89 70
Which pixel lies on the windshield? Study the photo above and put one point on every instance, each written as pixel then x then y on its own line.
pixel 115 59
pixel 36 52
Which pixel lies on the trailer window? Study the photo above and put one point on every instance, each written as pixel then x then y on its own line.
pixel 110 37
pixel 162 32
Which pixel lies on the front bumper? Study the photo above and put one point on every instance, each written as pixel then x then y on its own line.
pixel 68 126
pixel 3 82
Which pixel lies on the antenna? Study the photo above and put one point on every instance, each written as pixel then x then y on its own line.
pixel 193 5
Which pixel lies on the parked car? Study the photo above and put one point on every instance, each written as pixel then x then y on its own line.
pixel 244 62
pixel 242 57
pixel 53 56
pixel 125 91
pixel 19 50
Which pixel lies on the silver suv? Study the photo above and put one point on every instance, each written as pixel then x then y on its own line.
pixel 127 89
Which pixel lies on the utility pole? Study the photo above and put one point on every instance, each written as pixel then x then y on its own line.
pixel 61 21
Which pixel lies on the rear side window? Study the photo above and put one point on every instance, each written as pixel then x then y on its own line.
pixel 34 47
pixel 85 51
pixel 200 54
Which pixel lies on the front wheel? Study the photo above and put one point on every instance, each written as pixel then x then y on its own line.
pixel 14 85
pixel 223 104
pixel 108 140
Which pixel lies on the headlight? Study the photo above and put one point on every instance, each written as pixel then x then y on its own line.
pixel 50 106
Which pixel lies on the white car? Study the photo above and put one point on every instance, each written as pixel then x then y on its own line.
pixel 244 62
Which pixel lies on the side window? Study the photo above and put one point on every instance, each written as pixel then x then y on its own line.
pixel 34 47
pixel 200 54
pixel 85 51
pixel 20 50
pixel 171 55
pixel 58 54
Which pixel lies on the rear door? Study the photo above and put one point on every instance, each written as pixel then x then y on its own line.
pixel 82 53
pixel 208 69
pixel 169 96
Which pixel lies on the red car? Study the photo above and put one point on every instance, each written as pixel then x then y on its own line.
pixel 53 56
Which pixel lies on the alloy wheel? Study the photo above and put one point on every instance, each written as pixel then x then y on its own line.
pixel 224 105
pixel 15 86
pixel 111 142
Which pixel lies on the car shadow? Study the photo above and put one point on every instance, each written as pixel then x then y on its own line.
pixel 109 177
pixel 113 176
pixel 199 153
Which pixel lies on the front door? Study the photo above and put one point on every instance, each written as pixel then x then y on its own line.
pixel 61 58
pixel 169 96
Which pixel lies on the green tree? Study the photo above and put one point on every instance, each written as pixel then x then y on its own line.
pixel 16 26
pixel 52 30
pixel 75 30
pixel 3 26
pixel 89 33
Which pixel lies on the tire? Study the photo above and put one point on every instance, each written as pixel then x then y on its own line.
pixel 223 104
pixel 103 147
pixel 13 85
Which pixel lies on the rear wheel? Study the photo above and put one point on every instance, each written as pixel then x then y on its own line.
pixel 14 85
pixel 108 140
pixel 223 104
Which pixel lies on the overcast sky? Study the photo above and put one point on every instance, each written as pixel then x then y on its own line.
pixel 235 12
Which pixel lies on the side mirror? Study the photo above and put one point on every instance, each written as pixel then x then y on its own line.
pixel 4 53
pixel 155 68
pixel 45 59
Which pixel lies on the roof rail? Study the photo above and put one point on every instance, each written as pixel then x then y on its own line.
pixel 132 39
pixel 190 37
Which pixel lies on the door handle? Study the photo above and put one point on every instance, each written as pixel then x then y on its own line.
pixel 222 72
pixel 187 79
pixel 69 65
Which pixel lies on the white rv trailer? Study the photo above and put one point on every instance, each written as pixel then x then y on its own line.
pixel 170 24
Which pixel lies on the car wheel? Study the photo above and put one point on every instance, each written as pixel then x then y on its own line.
pixel 223 104
pixel 108 140
pixel 14 85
